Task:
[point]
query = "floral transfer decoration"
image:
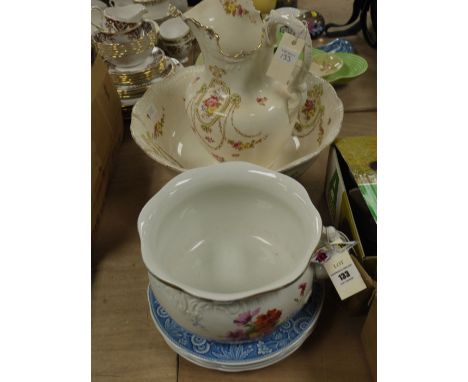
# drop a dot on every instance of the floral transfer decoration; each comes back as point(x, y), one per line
point(211, 104)
point(231, 7)
point(302, 287)
point(321, 256)
point(216, 71)
point(211, 109)
point(251, 324)
point(281, 339)
point(241, 146)
point(311, 114)
point(308, 109)
point(262, 100)
point(158, 127)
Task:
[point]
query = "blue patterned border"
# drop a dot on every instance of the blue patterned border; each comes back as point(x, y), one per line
point(282, 338)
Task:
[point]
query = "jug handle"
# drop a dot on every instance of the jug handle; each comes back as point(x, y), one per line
point(329, 235)
point(155, 27)
point(298, 85)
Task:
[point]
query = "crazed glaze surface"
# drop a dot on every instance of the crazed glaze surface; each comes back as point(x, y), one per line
point(164, 133)
point(235, 110)
point(228, 247)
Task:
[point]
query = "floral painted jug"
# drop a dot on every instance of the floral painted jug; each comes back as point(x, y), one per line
point(236, 110)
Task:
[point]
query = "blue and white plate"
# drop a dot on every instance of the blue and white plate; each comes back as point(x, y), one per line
point(283, 341)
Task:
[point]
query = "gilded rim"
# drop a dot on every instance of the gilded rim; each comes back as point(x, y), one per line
point(174, 12)
point(160, 69)
point(140, 89)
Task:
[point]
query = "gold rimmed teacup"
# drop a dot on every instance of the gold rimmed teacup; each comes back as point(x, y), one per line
point(177, 40)
point(119, 19)
point(125, 54)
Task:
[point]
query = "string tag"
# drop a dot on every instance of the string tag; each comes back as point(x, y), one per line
point(285, 58)
point(340, 267)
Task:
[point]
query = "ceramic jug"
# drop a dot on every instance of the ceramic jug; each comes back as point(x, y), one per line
point(235, 109)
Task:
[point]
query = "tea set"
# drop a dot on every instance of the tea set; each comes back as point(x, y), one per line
point(228, 243)
point(125, 37)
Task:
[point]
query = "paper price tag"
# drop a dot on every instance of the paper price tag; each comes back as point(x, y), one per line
point(284, 60)
point(344, 274)
point(286, 55)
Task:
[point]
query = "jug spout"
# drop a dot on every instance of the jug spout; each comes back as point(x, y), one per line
point(231, 29)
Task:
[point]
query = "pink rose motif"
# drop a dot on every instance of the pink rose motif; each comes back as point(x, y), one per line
point(212, 101)
point(321, 256)
point(246, 317)
point(309, 104)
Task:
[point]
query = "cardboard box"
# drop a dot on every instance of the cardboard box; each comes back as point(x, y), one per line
point(106, 134)
point(351, 195)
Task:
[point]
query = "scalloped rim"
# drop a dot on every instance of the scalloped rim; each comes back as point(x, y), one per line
point(161, 86)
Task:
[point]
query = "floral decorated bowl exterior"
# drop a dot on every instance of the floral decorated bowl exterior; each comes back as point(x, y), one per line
point(165, 134)
point(241, 320)
point(228, 249)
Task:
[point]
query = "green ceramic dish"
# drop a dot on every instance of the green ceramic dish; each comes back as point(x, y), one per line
point(353, 66)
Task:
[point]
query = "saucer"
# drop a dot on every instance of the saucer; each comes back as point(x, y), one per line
point(353, 67)
point(235, 357)
point(162, 129)
point(325, 64)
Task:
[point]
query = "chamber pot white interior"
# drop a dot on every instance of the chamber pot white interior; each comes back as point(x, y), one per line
point(229, 238)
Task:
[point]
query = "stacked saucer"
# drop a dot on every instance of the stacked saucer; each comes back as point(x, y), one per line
point(132, 82)
point(235, 357)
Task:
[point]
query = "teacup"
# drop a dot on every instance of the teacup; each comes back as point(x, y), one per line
point(228, 249)
point(120, 19)
point(129, 48)
point(176, 40)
